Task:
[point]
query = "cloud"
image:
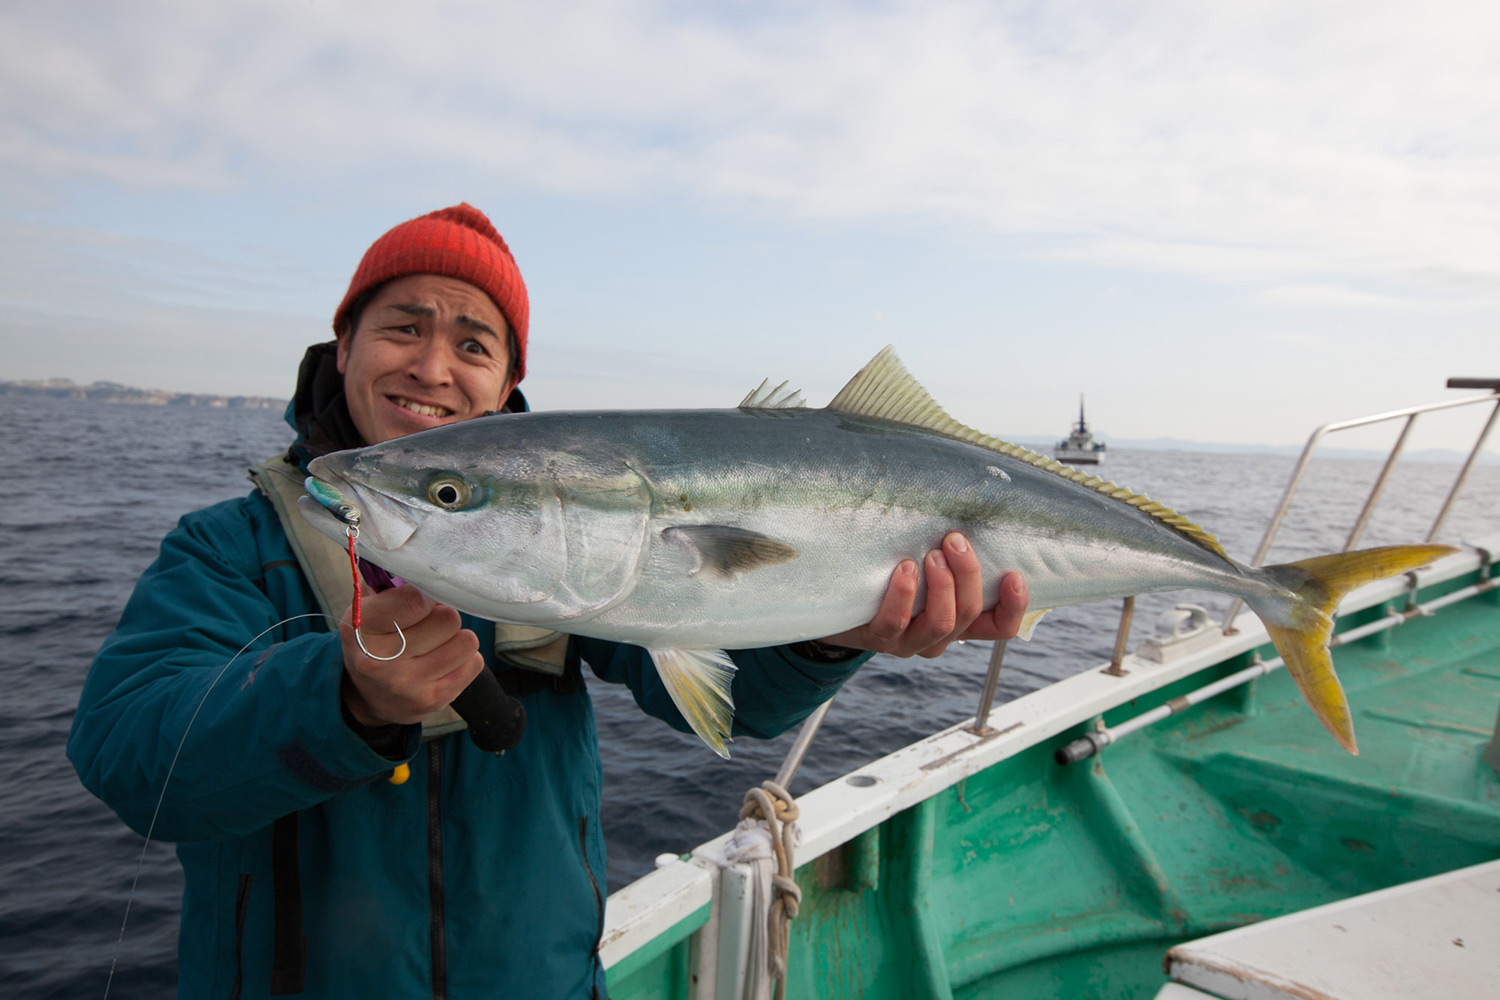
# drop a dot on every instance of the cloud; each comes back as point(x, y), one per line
point(1268, 142)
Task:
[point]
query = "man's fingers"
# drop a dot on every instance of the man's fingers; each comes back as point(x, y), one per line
point(1004, 621)
point(377, 632)
point(404, 606)
point(1012, 606)
point(895, 607)
point(938, 618)
point(444, 688)
point(968, 579)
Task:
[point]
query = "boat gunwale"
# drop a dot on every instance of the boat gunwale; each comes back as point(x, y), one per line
point(840, 810)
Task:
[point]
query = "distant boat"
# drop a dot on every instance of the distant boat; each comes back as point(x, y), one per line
point(1079, 447)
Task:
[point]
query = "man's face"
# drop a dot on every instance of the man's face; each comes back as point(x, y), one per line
point(429, 350)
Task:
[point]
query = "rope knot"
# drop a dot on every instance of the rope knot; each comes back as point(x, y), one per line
point(774, 806)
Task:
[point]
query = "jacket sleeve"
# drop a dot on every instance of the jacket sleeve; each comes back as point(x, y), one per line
point(774, 688)
point(206, 713)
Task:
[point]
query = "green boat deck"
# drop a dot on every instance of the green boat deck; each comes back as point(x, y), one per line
point(1031, 879)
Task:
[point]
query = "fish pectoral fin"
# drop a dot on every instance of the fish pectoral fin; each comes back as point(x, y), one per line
point(724, 552)
point(1028, 623)
point(698, 681)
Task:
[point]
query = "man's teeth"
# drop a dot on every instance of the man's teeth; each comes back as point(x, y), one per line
point(422, 408)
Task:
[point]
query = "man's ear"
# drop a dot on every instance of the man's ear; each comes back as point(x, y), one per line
point(343, 340)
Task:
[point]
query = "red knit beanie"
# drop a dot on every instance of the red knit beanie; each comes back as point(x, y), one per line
point(456, 242)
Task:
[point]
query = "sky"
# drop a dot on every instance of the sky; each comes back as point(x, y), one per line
point(1222, 222)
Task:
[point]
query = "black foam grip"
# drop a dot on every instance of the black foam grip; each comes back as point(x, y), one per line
point(496, 720)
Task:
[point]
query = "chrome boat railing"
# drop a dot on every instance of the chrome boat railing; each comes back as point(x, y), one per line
point(1411, 413)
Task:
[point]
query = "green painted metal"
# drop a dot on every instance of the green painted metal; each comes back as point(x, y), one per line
point(1050, 881)
point(1035, 880)
point(662, 969)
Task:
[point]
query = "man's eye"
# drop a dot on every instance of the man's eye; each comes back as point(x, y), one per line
point(473, 347)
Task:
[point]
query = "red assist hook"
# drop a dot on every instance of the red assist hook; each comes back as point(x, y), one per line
point(353, 532)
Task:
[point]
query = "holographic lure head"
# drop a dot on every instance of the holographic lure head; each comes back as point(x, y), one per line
point(332, 500)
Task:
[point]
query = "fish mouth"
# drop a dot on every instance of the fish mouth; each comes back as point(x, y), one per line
point(334, 505)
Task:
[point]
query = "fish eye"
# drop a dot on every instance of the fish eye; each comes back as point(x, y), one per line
point(449, 492)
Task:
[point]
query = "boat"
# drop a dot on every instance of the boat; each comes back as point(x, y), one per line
point(1124, 832)
point(1079, 447)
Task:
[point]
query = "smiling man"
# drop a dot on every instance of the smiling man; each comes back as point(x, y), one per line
point(433, 350)
point(312, 866)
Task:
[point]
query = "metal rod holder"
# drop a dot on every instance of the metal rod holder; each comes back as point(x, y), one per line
point(1121, 637)
point(804, 740)
point(991, 683)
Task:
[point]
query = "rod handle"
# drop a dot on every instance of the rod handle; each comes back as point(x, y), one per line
point(496, 720)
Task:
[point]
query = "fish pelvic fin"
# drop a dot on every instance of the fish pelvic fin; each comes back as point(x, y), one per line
point(885, 390)
point(698, 681)
point(1301, 637)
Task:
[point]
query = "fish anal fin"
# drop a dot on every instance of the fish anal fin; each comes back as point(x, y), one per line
point(699, 682)
point(1028, 623)
point(725, 552)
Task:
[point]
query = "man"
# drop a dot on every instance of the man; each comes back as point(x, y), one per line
point(307, 871)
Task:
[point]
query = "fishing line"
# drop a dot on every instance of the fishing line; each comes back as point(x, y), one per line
point(151, 828)
point(352, 531)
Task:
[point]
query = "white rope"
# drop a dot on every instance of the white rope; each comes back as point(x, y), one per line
point(765, 840)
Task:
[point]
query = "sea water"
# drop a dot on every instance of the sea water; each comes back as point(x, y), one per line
point(90, 488)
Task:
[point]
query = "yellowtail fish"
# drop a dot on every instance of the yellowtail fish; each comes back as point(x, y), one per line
point(690, 532)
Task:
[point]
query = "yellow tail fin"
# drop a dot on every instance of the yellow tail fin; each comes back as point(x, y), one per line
point(1320, 583)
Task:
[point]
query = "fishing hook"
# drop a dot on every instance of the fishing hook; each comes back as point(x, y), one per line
point(383, 659)
point(352, 531)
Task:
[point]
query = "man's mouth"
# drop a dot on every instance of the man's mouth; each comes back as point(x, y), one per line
point(424, 409)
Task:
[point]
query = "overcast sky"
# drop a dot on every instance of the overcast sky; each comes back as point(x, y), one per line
point(1226, 221)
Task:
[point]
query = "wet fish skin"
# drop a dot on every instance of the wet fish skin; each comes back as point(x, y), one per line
point(689, 532)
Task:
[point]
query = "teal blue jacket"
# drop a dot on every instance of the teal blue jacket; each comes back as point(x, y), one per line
point(479, 877)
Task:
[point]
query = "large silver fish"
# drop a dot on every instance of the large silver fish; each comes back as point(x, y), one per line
point(693, 531)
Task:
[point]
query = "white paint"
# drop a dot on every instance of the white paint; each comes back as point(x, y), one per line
point(1435, 937)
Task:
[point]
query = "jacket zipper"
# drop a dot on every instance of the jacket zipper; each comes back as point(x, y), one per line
point(241, 908)
point(437, 934)
point(583, 848)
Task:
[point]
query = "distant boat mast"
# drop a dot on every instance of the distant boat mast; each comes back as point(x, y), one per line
point(1080, 448)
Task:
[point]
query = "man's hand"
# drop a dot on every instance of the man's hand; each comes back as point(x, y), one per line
point(955, 606)
point(440, 659)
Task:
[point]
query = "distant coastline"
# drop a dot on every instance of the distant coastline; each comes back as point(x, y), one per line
point(114, 392)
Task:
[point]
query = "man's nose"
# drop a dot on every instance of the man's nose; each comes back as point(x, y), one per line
point(430, 364)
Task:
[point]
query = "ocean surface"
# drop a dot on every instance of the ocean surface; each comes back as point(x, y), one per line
point(90, 488)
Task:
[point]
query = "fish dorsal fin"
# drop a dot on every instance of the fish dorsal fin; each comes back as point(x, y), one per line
point(885, 390)
point(768, 397)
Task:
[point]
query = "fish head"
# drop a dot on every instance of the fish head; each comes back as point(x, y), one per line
point(483, 523)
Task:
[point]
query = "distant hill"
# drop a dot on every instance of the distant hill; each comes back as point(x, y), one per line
point(114, 392)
